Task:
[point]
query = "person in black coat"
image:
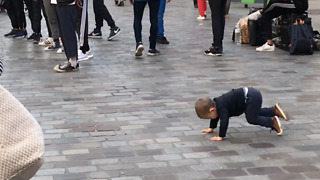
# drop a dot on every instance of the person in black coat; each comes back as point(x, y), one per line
point(234, 103)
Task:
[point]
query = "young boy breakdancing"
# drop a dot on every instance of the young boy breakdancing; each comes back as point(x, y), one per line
point(242, 100)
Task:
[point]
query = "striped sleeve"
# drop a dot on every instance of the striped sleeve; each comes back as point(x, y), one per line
point(1, 67)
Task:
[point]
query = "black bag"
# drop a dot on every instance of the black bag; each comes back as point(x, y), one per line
point(257, 36)
point(64, 2)
point(301, 36)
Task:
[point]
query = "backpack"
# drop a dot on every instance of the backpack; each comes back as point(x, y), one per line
point(301, 36)
point(301, 5)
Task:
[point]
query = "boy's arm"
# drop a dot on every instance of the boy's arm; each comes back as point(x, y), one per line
point(224, 123)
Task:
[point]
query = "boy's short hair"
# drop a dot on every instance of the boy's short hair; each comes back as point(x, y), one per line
point(203, 105)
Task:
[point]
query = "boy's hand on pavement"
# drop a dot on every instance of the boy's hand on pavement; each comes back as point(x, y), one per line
point(209, 130)
point(216, 138)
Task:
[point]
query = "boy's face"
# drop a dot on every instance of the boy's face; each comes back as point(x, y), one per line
point(211, 115)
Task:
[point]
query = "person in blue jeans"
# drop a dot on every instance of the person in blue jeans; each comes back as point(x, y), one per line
point(161, 39)
point(138, 9)
point(246, 100)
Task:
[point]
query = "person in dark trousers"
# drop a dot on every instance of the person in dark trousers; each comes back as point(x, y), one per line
point(276, 8)
point(217, 8)
point(66, 19)
point(15, 10)
point(37, 7)
point(138, 9)
point(101, 13)
point(235, 102)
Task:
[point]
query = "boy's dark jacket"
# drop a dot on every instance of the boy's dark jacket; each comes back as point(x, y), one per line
point(228, 105)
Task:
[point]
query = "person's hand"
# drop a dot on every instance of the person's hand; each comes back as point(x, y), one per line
point(168, 1)
point(209, 130)
point(216, 138)
point(131, 1)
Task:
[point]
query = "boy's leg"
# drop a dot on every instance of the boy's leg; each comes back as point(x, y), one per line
point(254, 114)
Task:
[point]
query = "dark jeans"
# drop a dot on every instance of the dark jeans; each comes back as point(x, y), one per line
point(254, 113)
point(37, 17)
point(85, 47)
point(218, 21)
point(15, 9)
point(267, 16)
point(66, 19)
point(101, 13)
point(138, 9)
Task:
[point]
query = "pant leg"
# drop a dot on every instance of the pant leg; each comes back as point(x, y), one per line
point(162, 8)
point(52, 18)
point(202, 6)
point(138, 9)
point(218, 21)
point(46, 17)
point(228, 3)
point(12, 13)
point(101, 12)
point(36, 4)
point(253, 112)
point(153, 10)
point(66, 18)
point(21, 18)
point(85, 47)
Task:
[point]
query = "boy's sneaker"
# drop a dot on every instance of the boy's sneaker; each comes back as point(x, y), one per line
point(139, 49)
point(162, 40)
point(212, 51)
point(279, 112)
point(265, 47)
point(153, 52)
point(254, 16)
point(66, 67)
point(21, 34)
point(95, 34)
point(277, 125)
point(89, 54)
point(11, 33)
point(46, 42)
point(114, 32)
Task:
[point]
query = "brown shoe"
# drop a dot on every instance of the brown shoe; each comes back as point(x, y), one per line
point(277, 125)
point(279, 112)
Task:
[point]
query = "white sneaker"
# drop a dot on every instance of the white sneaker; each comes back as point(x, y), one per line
point(201, 17)
point(89, 54)
point(254, 16)
point(60, 51)
point(265, 47)
point(82, 56)
point(46, 42)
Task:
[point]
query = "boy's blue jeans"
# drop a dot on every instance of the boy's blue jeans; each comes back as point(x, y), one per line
point(254, 113)
point(162, 8)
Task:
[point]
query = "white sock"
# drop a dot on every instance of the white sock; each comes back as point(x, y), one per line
point(73, 61)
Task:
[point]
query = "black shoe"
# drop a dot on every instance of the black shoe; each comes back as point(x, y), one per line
point(32, 36)
point(37, 38)
point(153, 52)
point(139, 49)
point(21, 34)
point(11, 33)
point(95, 34)
point(212, 51)
point(66, 67)
point(114, 32)
point(162, 40)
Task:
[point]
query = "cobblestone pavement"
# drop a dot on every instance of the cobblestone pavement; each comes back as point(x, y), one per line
point(122, 118)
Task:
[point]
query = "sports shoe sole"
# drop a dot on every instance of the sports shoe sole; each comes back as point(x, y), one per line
point(211, 54)
point(279, 123)
point(139, 50)
point(281, 112)
point(153, 54)
point(57, 69)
